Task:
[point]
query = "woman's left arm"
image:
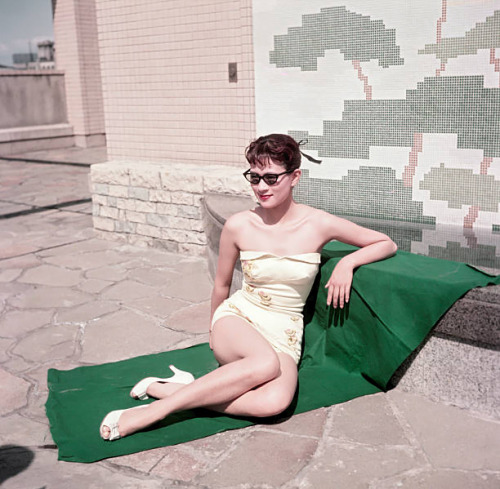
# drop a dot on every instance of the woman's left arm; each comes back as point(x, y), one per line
point(373, 246)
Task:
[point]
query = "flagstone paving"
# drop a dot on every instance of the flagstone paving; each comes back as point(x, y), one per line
point(66, 296)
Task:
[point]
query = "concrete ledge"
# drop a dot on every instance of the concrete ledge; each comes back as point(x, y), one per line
point(447, 369)
point(459, 361)
point(90, 140)
point(32, 138)
point(216, 208)
point(30, 73)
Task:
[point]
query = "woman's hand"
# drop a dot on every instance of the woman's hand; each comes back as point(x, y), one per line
point(339, 284)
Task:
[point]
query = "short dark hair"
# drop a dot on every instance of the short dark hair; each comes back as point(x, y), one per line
point(280, 148)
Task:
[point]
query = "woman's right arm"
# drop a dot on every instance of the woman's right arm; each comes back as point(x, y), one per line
point(228, 254)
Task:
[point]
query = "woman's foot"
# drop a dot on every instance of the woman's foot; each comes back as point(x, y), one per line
point(160, 390)
point(123, 422)
point(142, 390)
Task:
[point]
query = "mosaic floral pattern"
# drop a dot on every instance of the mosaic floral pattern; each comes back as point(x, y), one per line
point(401, 105)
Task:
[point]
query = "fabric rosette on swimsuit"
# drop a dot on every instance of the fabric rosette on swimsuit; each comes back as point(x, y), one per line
point(281, 283)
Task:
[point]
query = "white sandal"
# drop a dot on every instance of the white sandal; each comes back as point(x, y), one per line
point(111, 421)
point(179, 377)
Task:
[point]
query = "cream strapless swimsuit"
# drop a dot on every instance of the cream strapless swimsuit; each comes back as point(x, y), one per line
point(272, 297)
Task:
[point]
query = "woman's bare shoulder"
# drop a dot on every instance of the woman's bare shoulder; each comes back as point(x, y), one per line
point(326, 224)
point(239, 219)
point(317, 215)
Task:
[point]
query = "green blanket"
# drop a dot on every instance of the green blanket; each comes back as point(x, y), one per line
point(347, 353)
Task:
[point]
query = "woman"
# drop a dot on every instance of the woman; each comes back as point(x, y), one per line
point(256, 334)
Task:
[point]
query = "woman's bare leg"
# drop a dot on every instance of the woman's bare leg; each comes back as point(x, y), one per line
point(160, 390)
point(264, 400)
point(268, 399)
point(248, 361)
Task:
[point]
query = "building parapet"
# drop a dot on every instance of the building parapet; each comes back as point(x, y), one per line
point(20, 72)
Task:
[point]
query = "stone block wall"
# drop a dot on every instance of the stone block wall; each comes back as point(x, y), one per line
point(158, 204)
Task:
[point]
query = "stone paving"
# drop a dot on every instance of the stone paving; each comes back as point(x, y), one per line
point(64, 296)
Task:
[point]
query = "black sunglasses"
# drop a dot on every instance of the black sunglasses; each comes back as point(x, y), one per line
point(269, 178)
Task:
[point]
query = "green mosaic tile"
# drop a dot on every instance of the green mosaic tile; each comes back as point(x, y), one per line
point(368, 192)
point(356, 36)
point(480, 255)
point(455, 104)
point(461, 187)
point(485, 35)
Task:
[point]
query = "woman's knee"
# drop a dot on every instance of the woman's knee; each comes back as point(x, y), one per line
point(274, 402)
point(264, 368)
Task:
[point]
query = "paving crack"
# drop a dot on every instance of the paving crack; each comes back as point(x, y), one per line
point(34, 209)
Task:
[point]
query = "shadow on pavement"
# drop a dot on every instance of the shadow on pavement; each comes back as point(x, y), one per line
point(13, 460)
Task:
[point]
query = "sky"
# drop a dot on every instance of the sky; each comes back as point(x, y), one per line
point(22, 21)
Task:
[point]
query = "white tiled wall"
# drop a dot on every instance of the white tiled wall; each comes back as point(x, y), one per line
point(165, 79)
point(77, 54)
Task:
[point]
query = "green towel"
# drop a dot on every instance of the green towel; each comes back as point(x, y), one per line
point(347, 353)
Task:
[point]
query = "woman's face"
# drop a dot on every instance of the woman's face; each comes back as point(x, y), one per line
point(272, 195)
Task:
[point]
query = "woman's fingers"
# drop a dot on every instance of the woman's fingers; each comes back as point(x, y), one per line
point(329, 295)
point(338, 295)
point(339, 285)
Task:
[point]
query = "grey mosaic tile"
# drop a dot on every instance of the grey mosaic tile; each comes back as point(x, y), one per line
point(368, 192)
point(453, 104)
point(461, 187)
point(479, 255)
point(417, 114)
point(355, 35)
point(485, 35)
